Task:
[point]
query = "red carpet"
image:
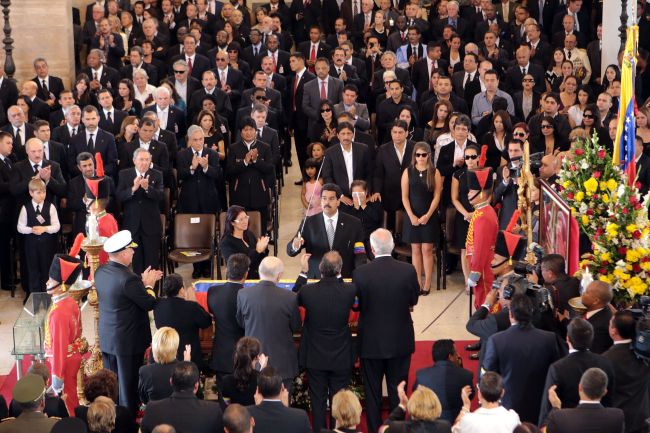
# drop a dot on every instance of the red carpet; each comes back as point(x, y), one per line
point(421, 359)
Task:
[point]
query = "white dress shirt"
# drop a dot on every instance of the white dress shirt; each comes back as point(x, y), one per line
point(347, 158)
point(24, 229)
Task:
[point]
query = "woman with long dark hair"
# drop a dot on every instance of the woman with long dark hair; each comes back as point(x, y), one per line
point(238, 239)
point(554, 71)
point(414, 132)
point(421, 191)
point(240, 386)
point(126, 98)
point(439, 123)
point(324, 130)
point(81, 91)
point(497, 139)
point(550, 142)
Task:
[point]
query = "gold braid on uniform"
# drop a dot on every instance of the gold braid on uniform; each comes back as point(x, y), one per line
point(470, 231)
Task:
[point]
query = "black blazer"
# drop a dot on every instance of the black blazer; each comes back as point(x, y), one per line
point(7, 199)
point(124, 419)
point(157, 149)
point(387, 289)
point(322, 51)
point(175, 119)
point(630, 391)
point(593, 418)
point(198, 190)
point(62, 135)
point(446, 379)
point(388, 174)
point(110, 78)
point(472, 88)
point(518, 98)
point(123, 319)
point(274, 96)
point(230, 245)
point(566, 374)
point(8, 93)
point(75, 193)
point(152, 72)
point(186, 317)
point(200, 64)
point(39, 109)
point(104, 143)
point(57, 153)
point(19, 150)
point(154, 381)
point(447, 169)
point(543, 53)
point(115, 52)
point(274, 417)
point(112, 127)
point(54, 86)
point(547, 13)
point(420, 74)
point(249, 183)
point(396, 424)
point(295, 97)
point(600, 322)
point(326, 339)
point(519, 354)
point(514, 77)
point(643, 173)
point(235, 79)
point(334, 167)
point(142, 209)
point(185, 412)
point(223, 105)
point(349, 232)
point(23, 172)
point(463, 28)
point(222, 303)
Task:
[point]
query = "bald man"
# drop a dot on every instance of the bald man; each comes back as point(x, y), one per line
point(270, 314)
point(597, 297)
point(549, 168)
point(39, 108)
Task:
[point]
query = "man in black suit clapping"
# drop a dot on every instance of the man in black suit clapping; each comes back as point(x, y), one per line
point(330, 230)
point(387, 289)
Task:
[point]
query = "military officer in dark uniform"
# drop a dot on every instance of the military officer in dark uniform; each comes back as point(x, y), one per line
point(29, 393)
point(124, 329)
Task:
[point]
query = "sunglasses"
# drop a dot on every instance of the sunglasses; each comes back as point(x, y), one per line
point(222, 60)
point(325, 110)
point(587, 116)
point(548, 126)
point(421, 155)
point(179, 72)
point(261, 98)
point(468, 157)
point(519, 134)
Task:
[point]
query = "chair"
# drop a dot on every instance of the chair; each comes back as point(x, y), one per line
point(254, 225)
point(196, 233)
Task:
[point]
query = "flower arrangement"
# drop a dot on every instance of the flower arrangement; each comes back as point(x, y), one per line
point(610, 212)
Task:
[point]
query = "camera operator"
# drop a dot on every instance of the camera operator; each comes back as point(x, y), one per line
point(562, 286)
point(596, 299)
point(505, 189)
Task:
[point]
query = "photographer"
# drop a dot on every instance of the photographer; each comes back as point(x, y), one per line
point(563, 288)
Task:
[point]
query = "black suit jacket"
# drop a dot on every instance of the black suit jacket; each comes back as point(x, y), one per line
point(104, 143)
point(387, 289)
point(57, 118)
point(200, 64)
point(322, 51)
point(274, 417)
point(175, 120)
point(154, 381)
point(123, 320)
point(114, 126)
point(62, 134)
point(643, 173)
point(388, 174)
point(518, 100)
point(18, 149)
point(447, 380)
point(547, 13)
point(326, 339)
point(470, 90)
point(185, 412)
point(514, 77)
point(249, 184)
point(593, 418)
point(294, 100)
point(115, 52)
point(558, 39)
point(75, 193)
point(124, 419)
point(600, 322)
point(311, 14)
point(141, 209)
point(22, 173)
point(447, 169)
point(198, 192)
point(334, 167)
point(7, 199)
point(519, 354)
point(8, 93)
point(110, 78)
point(420, 74)
point(274, 95)
point(54, 86)
point(583, 22)
point(58, 153)
point(235, 79)
point(348, 233)
point(222, 303)
point(566, 374)
point(152, 72)
point(463, 28)
point(543, 53)
point(223, 105)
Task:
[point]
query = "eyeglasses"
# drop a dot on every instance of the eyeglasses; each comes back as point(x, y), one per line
point(528, 80)
point(325, 110)
point(421, 155)
point(468, 157)
point(179, 72)
point(587, 116)
point(548, 126)
point(519, 134)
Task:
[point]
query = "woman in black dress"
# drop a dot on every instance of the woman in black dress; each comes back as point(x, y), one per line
point(240, 386)
point(424, 409)
point(346, 411)
point(414, 132)
point(126, 98)
point(238, 239)
point(464, 209)
point(497, 139)
point(153, 378)
point(421, 190)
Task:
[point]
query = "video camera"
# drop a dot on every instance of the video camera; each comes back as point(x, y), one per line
point(641, 343)
point(523, 268)
point(517, 283)
point(535, 164)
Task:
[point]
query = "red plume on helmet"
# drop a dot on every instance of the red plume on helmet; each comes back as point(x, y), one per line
point(513, 220)
point(76, 246)
point(99, 162)
point(483, 158)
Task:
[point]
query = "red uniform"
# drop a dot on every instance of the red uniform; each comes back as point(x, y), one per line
point(481, 237)
point(62, 345)
point(107, 227)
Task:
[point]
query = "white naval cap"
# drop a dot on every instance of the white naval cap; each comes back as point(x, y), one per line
point(119, 241)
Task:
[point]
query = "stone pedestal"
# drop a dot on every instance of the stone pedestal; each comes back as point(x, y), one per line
point(42, 28)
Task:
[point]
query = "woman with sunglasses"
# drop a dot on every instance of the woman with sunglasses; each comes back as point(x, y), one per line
point(526, 100)
point(591, 122)
point(439, 124)
point(325, 129)
point(237, 238)
point(520, 131)
point(421, 191)
point(574, 113)
point(236, 62)
point(460, 200)
point(497, 139)
point(549, 141)
point(413, 133)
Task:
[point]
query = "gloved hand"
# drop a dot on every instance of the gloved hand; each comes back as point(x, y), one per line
point(471, 283)
point(57, 384)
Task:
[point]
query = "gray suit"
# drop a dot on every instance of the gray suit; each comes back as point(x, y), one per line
point(270, 314)
point(363, 119)
point(311, 96)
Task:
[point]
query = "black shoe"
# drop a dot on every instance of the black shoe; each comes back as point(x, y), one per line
point(196, 274)
point(298, 183)
point(474, 357)
point(425, 292)
point(288, 163)
point(473, 347)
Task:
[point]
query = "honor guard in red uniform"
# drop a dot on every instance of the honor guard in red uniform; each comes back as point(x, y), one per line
point(63, 341)
point(98, 192)
point(482, 232)
point(509, 247)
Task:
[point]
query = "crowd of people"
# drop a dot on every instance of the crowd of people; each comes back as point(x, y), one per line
point(408, 122)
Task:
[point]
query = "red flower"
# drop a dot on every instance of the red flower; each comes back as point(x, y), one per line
point(633, 199)
point(590, 212)
point(603, 271)
point(573, 167)
point(597, 175)
point(636, 234)
point(605, 263)
point(599, 231)
point(622, 251)
point(624, 211)
point(636, 267)
point(601, 153)
point(637, 185)
point(595, 196)
point(637, 206)
point(570, 195)
point(579, 152)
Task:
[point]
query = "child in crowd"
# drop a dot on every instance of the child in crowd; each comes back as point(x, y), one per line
point(311, 187)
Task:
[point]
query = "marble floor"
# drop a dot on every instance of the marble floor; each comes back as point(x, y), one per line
point(442, 314)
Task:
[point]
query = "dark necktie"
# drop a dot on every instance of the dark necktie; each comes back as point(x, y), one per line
point(568, 55)
point(7, 162)
point(18, 139)
point(35, 169)
point(109, 117)
point(38, 209)
point(91, 144)
point(74, 132)
point(259, 134)
point(523, 71)
point(45, 89)
point(255, 51)
point(467, 80)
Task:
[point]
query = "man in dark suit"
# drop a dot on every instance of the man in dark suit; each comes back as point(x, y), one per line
point(545, 15)
point(388, 110)
point(39, 108)
point(222, 303)
point(590, 415)
point(255, 51)
point(443, 92)
point(268, 135)
point(8, 90)
point(330, 230)
point(93, 139)
point(422, 69)
point(594, 54)
point(110, 118)
point(344, 159)
point(466, 83)
point(491, 18)
point(304, 16)
point(563, 286)
point(279, 57)
point(157, 150)
point(53, 150)
point(357, 110)
point(124, 327)
point(72, 126)
point(564, 373)
point(581, 18)
point(323, 87)
point(343, 71)
point(171, 118)
point(65, 101)
point(540, 50)
point(270, 314)
point(197, 63)
point(273, 414)
point(7, 212)
point(140, 191)
point(222, 102)
point(505, 191)
point(49, 87)
point(461, 27)
point(523, 66)
point(630, 391)
point(596, 299)
point(183, 410)
point(326, 347)
point(101, 75)
point(568, 25)
point(519, 354)
point(446, 378)
point(314, 49)
point(451, 156)
point(229, 80)
point(387, 290)
point(260, 80)
point(109, 42)
point(298, 118)
point(136, 61)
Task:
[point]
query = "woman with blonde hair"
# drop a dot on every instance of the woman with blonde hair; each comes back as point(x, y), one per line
point(101, 415)
point(424, 411)
point(346, 411)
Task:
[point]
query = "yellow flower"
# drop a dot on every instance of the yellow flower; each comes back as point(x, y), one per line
point(585, 220)
point(591, 185)
point(632, 256)
point(612, 229)
point(630, 228)
point(566, 184)
point(579, 196)
point(612, 185)
point(605, 279)
point(606, 257)
point(645, 266)
point(605, 198)
point(603, 186)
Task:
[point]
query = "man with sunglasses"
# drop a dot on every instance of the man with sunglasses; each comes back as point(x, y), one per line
point(258, 96)
point(550, 105)
point(183, 83)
